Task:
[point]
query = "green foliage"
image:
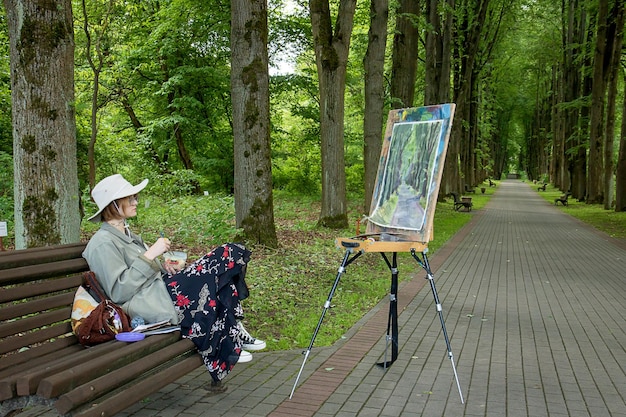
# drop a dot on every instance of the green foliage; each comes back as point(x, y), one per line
point(6, 137)
point(6, 192)
point(6, 175)
point(177, 184)
point(296, 159)
point(295, 176)
point(193, 223)
point(164, 89)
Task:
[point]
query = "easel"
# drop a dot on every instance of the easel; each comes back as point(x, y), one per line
point(384, 243)
point(404, 199)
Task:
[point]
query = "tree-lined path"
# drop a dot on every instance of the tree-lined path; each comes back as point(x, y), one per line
point(535, 306)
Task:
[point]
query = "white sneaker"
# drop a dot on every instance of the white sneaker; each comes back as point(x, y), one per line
point(244, 356)
point(249, 342)
point(257, 344)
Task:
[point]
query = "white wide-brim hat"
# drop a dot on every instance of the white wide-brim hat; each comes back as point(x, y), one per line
point(110, 189)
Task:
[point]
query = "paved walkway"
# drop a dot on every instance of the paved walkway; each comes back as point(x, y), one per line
point(535, 307)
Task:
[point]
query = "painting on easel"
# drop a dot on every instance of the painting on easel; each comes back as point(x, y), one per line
point(409, 172)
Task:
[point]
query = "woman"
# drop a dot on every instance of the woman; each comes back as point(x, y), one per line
point(204, 297)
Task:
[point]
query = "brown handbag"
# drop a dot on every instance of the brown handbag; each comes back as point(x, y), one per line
point(101, 323)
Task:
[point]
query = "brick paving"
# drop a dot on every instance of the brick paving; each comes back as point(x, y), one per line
point(534, 304)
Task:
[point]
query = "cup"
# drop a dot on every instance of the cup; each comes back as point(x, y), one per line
point(175, 259)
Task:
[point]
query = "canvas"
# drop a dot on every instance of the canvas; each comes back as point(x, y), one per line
point(409, 172)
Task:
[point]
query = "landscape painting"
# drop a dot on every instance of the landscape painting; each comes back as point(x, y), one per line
point(409, 172)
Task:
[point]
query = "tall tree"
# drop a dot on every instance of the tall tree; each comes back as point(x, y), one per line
point(615, 32)
point(254, 209)
point(575, 29)
point(595, 189)
point(620, 173)
point(44, 129)
point(489, 35)
point(95, 54)
point(439, 16)
point(331, 58)
point(374, 64)
point(405, 54)
point(469, 28)
point(566, 160)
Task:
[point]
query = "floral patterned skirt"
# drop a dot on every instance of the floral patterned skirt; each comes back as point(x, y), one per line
point(207, 296)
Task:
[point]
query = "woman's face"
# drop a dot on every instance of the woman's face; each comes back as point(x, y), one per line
point(128, 206)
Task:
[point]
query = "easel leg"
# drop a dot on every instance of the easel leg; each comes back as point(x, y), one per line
point(346, 261)
point(429, 275)
point(392, 321)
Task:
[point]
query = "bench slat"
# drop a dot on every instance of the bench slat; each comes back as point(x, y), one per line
point(29, 355)
point(34, 322)
point(36, 306)
point(40, 255)
point(81, 372)
point(129, 395)
point(8, 377)
point(28, 381)
point(39, 336)
point(19, 292)
point(35, 272)
point(99, 386)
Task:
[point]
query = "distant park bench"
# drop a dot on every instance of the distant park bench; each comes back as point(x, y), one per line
point(562, 199)
point(469, 189)
point(462, 202)
point(41, 361)
point(491, 183)
point(542, 188)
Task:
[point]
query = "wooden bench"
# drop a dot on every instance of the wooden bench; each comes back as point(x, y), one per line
point(562, 199)
point(462, 202)
point(41, 361)
point(542, 188)
point(491, 183)
point(469, 189)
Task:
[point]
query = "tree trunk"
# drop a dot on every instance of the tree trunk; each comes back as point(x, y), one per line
point(176, 132)
point(44, 129)
point(96, 66)
point(331, 58)
point(559, 158)
point(574, 40)
point(620, 174)
point(579, 180)
point(595, 189)
point(404, 54)
point(438, 56)
point(254, 208)
point(469, 29)
point(374, 64)
point(615, 36)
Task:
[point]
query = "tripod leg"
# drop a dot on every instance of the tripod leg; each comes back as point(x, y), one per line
point(346, 261)
point(392, 321)
point(431, 279)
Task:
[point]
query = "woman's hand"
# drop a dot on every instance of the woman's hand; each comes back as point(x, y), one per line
point(171, 269)
point(159, 247)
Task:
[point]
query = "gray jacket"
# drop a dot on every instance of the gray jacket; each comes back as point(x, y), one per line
point(129, 278)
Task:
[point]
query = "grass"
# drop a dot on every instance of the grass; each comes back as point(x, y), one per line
point(289, 285)
point(611, 222)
